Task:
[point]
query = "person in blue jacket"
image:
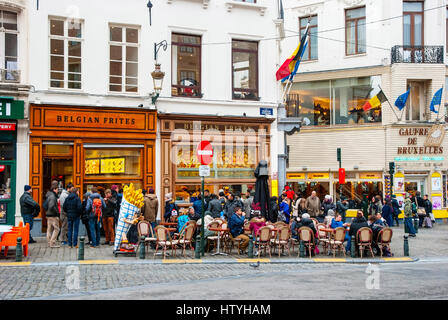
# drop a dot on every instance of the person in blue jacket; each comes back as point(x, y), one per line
point(236, 226)
point(388, 212)
point(286, 208)
point(336, 223)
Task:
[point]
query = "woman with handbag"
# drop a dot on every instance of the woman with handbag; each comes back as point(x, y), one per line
point(421, 212)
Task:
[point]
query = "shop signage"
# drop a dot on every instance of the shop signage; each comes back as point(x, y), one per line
point(266, 111)
point(204, 171)
point(432, 143)
point(94, 119)
point(295, 176)
point(11, 109)
point(370, 175)
point(419, 158)
point(4, 126)
point(3, 210)
point(317, 176)
point(205, 152)
point(211, 126)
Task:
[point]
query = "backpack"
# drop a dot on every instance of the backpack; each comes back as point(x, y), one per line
point(96, 207)
point(45, 204)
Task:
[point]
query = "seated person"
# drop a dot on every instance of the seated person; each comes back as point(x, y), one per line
point(329, 218)
point(182, 220)
point(337, 223)
point(236, 226)
point(192, 215)
point(257, 223)
point(376, 224)
point(306, 221)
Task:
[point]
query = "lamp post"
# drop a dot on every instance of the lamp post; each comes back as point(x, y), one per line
point(149, 5)
point(157, 75)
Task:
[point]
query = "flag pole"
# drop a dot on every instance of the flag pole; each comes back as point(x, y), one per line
point(438, 110)
point(387, 99)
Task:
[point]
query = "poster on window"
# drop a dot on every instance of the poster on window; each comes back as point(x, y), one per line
point(3, 210)
point(400, 200)
point(399, 185)
point(437, 203)
point(436, 184)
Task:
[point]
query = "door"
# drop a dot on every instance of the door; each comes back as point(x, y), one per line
point(7, 192)
point(413, 185)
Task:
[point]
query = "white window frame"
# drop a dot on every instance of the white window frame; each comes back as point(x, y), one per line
point(124, 61)
point(66, 39)
point(3, 33)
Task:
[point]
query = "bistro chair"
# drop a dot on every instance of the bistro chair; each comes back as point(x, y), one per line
point(322, 236)
point(338, 240)
point(279, 224)
point(282, 241)
point(384, 239)
point(263, 240)
point(144, 229)
point(307, 236)
point(162, 240)
point(316, 222)
point(364, 240)
point(214, 239)
point(186, 239)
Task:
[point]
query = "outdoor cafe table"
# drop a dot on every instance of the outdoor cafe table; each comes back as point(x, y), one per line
point(219, 230)
point(168, 223)
point(4, 228)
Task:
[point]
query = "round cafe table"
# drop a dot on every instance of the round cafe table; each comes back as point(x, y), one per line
point(219, 230)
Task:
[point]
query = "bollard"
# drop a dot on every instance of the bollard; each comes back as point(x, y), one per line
point(416, 223)
point(406, 246)
point(302, 249)
point(19, 250)
point(197, 249)
point(250, 251)
point(81, 249)
point(353, 248)
point(142, 248)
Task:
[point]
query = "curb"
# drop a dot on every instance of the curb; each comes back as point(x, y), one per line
point(200, 261)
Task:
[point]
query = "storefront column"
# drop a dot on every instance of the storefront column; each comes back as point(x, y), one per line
point(149, 159)
point(36, 170)
point(78, 165)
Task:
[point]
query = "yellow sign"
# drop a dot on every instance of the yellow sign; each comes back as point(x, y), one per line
point(370, 175)
point(274, 188)
point(93, 166)
point(295, 176)
point(318, 176)
point(114, 165)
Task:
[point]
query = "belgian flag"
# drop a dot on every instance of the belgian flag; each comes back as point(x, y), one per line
point(376, 101)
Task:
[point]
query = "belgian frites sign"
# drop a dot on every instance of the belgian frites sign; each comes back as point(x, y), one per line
point(93, 119)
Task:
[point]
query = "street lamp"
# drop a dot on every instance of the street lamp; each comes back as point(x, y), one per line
point(157, 75)
point(149, 5)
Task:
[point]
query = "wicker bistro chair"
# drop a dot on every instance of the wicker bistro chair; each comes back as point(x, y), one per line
point(338, 240)
point(307, 236)
point(186, 239)
point(263, 240)
point(364, 240)
point(384, 239)
point(144, 229)
point(322, 237)
point(280, 224)
point(162, 241)
point(283, 239)
point(213, 239)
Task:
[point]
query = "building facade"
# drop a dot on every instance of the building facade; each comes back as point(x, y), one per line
point(358, 48)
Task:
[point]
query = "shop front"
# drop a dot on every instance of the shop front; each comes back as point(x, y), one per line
point(91, 147)
point(238, 144)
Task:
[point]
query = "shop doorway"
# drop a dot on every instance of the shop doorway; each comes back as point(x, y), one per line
point(415, 184)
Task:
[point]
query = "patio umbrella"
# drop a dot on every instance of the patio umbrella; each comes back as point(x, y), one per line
point(262, 188)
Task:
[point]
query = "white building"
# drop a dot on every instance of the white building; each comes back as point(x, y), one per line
point(90, 119)
point(357, 48)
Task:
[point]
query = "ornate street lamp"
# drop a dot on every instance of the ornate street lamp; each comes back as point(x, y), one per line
point(157, 75)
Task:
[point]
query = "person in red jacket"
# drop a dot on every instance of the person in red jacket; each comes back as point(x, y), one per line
point(289, 193)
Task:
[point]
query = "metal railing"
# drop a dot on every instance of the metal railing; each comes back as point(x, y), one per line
point(417, 54)
point(9, 75)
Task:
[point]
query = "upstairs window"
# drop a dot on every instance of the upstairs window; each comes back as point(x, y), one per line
point(65, 54)
point(123, 59)
point(8, 42)
point(186, 65)
point(412, 24)
point(245, 69)
point(355, 31)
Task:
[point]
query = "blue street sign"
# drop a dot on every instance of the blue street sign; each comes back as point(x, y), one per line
point(266, 111)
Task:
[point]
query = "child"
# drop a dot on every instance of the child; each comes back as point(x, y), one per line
point(182, 220)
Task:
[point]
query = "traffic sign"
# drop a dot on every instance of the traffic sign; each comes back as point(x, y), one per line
point(205, 152)
point(204, 171)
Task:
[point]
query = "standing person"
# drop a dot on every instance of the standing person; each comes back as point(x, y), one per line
point(206, 197)
point(289, 192)
point(94, 208)
point(169, 206)
point(379, 203)
point(388, 212)
point(397, 209)
point(285, 207)
point(248, 202)
point(197, 204)
point(295, 206)
point(222, 198)
point(327, 205)
point(109, 216)
point(214, 206)
point(420, 203)
point(63, 216)
point(150, 207)
point(52, 215)
point(409, 227)
point(313, 205)
point(428, 208)
point(373, 208)
point(274, 209)
point(230, 205)
point(342, 207)
point(29, 209)
point(73, 208)
point(85, 216)
point(236, 224)
point(301, 207)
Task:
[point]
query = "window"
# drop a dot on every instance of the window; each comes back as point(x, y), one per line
point(311, 49)
point(8, 42)
point(123, 63)
point(355, 31)
point(186, 65)
point(413, 31)
point(65, 54)
point(335, 102)
point(245, 69)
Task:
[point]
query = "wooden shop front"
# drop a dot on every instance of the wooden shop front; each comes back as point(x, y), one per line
point(239, 143)
point(91, 146)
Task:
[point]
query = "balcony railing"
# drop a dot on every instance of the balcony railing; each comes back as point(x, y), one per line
point(418, 54)
point(7, 75)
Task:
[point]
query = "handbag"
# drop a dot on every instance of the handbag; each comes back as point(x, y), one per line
point(420, 211)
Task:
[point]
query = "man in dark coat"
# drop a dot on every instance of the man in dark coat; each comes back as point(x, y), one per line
point(214, 206)
point(29, 209)
point(262, 188)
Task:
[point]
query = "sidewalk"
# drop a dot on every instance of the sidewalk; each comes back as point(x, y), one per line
point(428, 243)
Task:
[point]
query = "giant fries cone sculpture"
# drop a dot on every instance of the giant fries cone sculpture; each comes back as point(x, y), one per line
point(131, 204)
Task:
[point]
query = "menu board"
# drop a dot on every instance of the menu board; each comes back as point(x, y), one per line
point(3, 210)
point(114, 165)
point(93, 166)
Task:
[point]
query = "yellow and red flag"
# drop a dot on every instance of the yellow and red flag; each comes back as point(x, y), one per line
point(376, 101)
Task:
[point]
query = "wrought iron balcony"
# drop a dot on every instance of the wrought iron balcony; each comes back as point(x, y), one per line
point(12, 76)
point(418, 54)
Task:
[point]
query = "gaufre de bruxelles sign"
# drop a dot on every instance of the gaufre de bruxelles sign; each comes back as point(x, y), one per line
point(413, 148)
